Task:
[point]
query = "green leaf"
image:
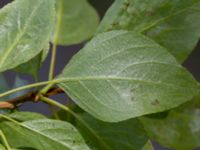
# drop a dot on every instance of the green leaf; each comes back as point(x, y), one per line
point(127, 135)
point(121, 75)
point(173, 24)
point(179, 129)
point(33, 66)
point(18, 83)
point(3, 84)
point(43, 134)
point(3, 88)
point(26, 116)
point(25, 28)
point(2, 147)
point(76, 21)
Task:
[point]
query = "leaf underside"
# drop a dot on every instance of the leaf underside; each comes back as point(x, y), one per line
point(121, 75)
point(43, 134)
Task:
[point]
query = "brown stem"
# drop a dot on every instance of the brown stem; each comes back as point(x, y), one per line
point(31, 96)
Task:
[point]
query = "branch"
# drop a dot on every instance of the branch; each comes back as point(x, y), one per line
point(31, 96)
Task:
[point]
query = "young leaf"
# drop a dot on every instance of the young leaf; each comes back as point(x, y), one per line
point(76, 21)
point(179, 129)
point(173, 24)
point(25, 28)
point(121, 75)
point(127, 135)
point(43, 134)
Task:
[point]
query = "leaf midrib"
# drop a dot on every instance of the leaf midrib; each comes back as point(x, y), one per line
point(40, 133)
point(19, 36)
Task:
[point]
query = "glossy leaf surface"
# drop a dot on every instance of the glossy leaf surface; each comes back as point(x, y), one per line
point(121, 75)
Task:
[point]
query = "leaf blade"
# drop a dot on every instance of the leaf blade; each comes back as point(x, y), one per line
point(109, 76)
point(179, 129)
point(76, 21)
point(128, 135)
point(170, 23)
point(50, 132)
point(21, 29)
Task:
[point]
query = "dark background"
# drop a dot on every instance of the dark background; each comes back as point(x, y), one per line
point(64, 53)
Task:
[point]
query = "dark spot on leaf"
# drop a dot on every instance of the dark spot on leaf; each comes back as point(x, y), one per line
point(126, 3)
point(132, 98)
point(155, 102)
point(197, 106)
point(150, 13)
point(115, 24)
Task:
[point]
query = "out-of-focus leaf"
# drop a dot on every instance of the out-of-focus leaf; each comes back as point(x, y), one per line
point(172, 23)
point(127, 135)
point(121, 75)
point(2, 147)
point(76, 21)
point(25, 28)
point(179, 129)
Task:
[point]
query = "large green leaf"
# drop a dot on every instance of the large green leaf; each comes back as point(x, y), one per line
point(179, 129)
point(127, 135)
point(76, 21)
point(43, 134)
point(172, 23)
point(121, 75)
point(25, 28)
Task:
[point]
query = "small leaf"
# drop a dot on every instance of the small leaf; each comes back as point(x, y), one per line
point(127, 135)
point(179, 129)
point(173, 24)
point(121, 75)
point(43, 134)
point(33, 66)
point(25, 28)
point(76, 21)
